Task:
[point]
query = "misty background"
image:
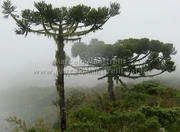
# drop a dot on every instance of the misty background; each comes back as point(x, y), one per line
point(22, 56)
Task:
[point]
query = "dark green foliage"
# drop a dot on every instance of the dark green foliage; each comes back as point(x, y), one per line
point(154, 89)
point(136, 110)
point(69, 19)
point(131, 58)
point(148, 88)
point(84, 127)
point(85, 114)
point(8, 8)
point(152, 125)
point(125, 121)
point(175, 127)
point(165, 116)
point(140, 108)
point(32, 130)
point(133, 100)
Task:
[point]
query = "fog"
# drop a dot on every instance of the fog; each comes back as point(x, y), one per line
point(22, 56)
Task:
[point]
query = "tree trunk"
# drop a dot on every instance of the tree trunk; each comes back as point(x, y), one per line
point(60, 62)
point(110, 88)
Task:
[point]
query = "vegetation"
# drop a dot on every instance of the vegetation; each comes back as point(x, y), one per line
point(61, 24)
point(147, 106)
point(144, 107)
point(129, 58)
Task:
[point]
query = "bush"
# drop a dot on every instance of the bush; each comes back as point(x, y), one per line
point(146, 107)
point(85, 114)
point(165, 116)
point(134, 100)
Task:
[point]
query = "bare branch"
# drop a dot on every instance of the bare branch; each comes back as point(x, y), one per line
point(144, 56)
point(83, 73)
point(122, 83)
point(135, 77)
point(72, 39)
point(102, 77)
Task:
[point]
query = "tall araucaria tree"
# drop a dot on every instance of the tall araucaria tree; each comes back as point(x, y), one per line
point(61, 24)
point(129, 58)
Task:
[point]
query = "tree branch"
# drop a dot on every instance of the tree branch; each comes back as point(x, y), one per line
point(80, 33)
point(144, 56)
point(53, 28)
point(135, 77)
point(83, 73)
point(72, 39)
point(71, 30)
point(47, 31)
point(102, 77)
point(122, 83)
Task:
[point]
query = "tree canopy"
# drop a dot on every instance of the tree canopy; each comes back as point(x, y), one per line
point(131, 58)
point(70, 21)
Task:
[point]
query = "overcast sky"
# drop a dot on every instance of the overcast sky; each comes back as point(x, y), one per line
point(154, 19)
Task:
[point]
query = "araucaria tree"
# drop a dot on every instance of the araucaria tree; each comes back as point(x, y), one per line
point(61, 24)
point(129, 58)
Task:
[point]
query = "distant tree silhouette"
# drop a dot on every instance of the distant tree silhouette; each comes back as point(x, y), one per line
point(129, 58)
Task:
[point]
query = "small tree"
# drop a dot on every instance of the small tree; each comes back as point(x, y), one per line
point(61, 24)
point(129, 58)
